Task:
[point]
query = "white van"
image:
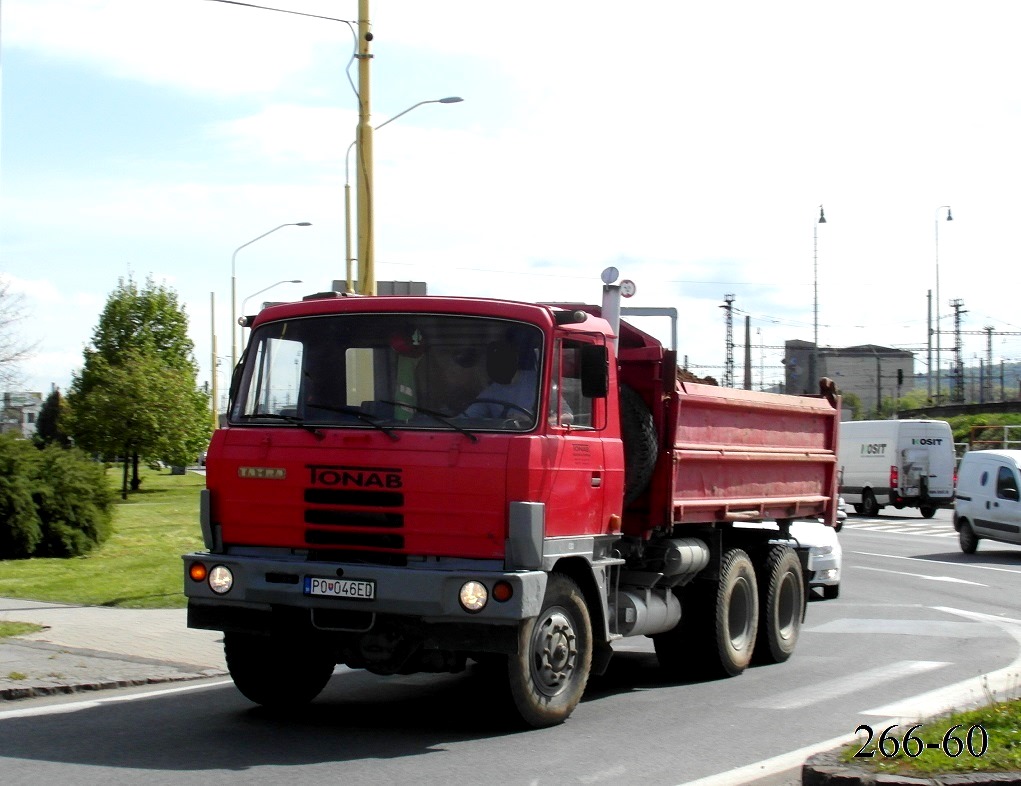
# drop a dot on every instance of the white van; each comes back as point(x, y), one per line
point(904, 463)
point(988, 499)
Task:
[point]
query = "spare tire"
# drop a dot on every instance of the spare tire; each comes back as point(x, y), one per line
point(640, 443)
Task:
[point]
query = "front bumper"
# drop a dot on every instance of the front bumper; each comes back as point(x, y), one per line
point(426, 592)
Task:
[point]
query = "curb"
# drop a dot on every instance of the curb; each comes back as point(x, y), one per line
point(36, 691)
point(826, 769)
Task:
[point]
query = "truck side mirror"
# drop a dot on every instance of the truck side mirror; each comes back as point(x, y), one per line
point(595, 371)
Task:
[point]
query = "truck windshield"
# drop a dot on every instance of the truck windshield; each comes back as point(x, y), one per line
point(392, 371)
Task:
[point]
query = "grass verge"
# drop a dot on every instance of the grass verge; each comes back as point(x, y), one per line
point(9, 629)
point(985, 739)
point(138, 567)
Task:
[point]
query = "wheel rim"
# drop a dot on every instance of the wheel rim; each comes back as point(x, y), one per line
point(788, 607)
point(554, 652)
point(739, 615)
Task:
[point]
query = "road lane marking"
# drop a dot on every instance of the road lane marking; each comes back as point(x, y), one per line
point(935, 562)
point(947, 629)
point(949, 579)
point(984, 689)
point(844, 686)
point(88, 704)
point(1002, 684)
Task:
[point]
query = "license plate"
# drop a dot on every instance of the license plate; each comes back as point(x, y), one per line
point(352, 589)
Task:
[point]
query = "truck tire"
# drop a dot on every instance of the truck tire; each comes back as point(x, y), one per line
point(736, 614)
point(927, 511)
point(640, 444)
point(967, 537)
point(276, 672)
point(782, 605)
point(548, 675)
point(869, 506)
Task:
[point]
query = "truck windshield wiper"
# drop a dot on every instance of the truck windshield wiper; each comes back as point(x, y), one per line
point(433, 413)
point(287, 418)
point(361, 414)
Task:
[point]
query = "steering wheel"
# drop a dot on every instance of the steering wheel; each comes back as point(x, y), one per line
point(507, 407)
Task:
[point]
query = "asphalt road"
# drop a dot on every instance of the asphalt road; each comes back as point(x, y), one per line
point(918, 627)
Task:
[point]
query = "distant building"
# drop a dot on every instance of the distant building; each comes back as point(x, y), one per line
point(871, 372)
point(20, 413)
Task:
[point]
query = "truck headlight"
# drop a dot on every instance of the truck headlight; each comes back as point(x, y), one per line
point(221, 579)
point(473, 596)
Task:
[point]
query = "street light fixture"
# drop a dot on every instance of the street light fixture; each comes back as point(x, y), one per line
point(241, 317)
point(234, 287)
point(813, 377)
point(349, 260)
point(950, 217)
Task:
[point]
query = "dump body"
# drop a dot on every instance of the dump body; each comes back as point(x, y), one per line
point(411, 483)
point(735, 455)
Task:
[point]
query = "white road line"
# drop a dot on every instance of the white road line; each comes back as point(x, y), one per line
point(937, 562)
point(88, 704)
point(843, 686)
point(948, 579)
point(1002, 684)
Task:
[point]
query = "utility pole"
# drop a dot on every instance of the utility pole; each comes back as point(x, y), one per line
point(363, 153)
point(958, 395)
point(728, 368)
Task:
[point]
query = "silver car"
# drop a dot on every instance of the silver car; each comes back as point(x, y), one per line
point(824, 555)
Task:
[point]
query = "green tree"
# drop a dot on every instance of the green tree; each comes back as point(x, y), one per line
point(851, 403)
point(49, 428)
point(136, 395)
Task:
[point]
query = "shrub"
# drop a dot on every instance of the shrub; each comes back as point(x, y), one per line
point(74, 502)
point(53, 502)
point(20, 527)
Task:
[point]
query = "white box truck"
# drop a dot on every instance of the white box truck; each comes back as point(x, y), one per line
point(904, 463)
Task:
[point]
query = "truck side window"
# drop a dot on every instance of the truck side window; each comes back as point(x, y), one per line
point(569, 404)
point(1006, 484)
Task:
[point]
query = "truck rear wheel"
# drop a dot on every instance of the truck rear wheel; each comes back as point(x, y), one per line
point(548, 675)
point(927, 511)
point(782, 600)
point(276, 672)
point(736, 613)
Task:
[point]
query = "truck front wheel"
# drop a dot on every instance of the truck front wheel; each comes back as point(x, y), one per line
point(276, 672)
point(736, 613)
point(869, 506)
point(782, 598)
point(548, 675)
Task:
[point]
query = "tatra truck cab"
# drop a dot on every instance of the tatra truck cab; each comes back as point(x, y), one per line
point(410, 484)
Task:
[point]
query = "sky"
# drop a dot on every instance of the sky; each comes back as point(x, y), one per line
point(689, 144)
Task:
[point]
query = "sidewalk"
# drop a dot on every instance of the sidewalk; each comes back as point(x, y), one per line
point(85, 648)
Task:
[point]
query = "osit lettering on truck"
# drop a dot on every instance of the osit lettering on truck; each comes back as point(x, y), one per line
point(903, 463)
point(362, 508)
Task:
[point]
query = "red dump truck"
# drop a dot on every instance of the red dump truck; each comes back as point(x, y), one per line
point(412, 484)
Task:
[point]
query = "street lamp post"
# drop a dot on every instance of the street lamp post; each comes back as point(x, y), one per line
point(950, 217)
point(234, 287)
point(264, 289)
point(349, 259)
point(813, 377)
